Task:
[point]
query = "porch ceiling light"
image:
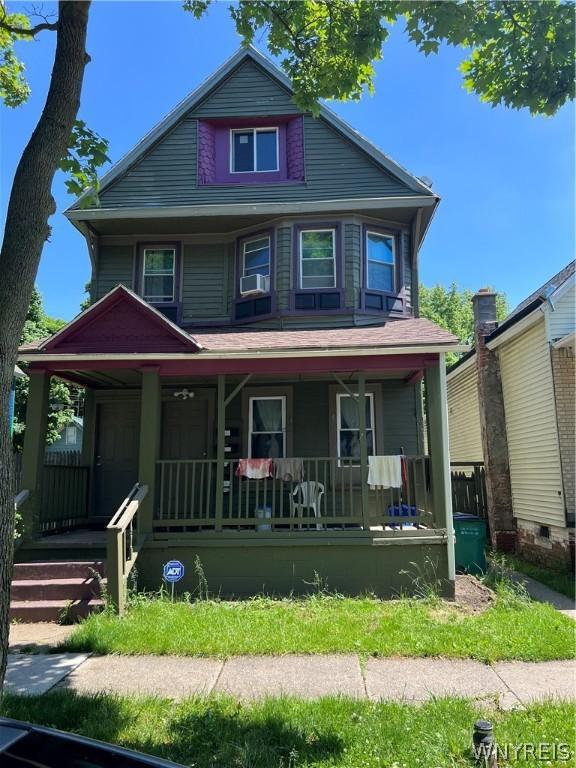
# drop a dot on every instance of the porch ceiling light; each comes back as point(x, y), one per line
point(185, 394)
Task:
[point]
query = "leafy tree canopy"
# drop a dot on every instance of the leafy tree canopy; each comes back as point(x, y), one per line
point(451, 308)
point(39, 325)
point(519, 53)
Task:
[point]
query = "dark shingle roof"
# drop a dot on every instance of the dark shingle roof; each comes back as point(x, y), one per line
point(549, 286)
point(416, 331)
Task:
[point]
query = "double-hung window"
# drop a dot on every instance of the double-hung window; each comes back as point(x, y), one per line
point(380, 257)
point(267, 427)
point(254, 150)
point(256, 257)
point(317, 258)
point(158, 278)
point(349, 425)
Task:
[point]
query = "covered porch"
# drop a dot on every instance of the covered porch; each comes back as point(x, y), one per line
point(161, 469)
point(169, 444)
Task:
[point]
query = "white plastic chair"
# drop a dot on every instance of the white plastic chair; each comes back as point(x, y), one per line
point(307, 496)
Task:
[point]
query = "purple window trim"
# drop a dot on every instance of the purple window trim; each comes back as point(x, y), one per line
point(398, 293)
point(139, 263)
point(339, 287)
point(295, 149)
point(214, 151)
point(206, 153)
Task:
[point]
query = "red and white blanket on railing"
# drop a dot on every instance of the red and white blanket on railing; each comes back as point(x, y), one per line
point(255, 469)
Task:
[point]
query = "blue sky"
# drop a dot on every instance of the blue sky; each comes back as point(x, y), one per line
point(506, 179)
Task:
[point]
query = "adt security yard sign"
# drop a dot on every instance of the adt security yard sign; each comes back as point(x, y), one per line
point(173, 571)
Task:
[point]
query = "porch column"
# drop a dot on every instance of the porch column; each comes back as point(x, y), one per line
point(363, 450)
point(437, 408)
point(150, 418)
point(34, 448)
point(220, 448)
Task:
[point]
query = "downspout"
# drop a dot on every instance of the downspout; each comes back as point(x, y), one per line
point(446, 462)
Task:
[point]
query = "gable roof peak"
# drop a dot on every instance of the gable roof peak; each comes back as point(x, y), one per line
point(242, 54)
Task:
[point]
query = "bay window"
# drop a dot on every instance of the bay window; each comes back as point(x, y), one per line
point(380, 259)
point(317, 250)
point(256, 257)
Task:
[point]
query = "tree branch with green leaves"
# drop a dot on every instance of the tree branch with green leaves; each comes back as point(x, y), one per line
point(518, 54)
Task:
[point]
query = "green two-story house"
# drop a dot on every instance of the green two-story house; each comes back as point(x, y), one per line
point(253, 356)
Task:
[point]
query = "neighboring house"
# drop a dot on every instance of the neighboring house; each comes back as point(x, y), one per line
point(533, 351)
point(70, 438)
point(254, 277)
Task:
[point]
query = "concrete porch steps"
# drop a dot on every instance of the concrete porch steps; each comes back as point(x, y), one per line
point(56, 590)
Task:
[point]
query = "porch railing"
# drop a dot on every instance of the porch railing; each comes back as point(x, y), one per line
point(123, 543)
point(187, 492)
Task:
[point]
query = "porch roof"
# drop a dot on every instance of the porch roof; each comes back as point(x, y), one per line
point(122, 324)
point(416, 335)
point(395, 333)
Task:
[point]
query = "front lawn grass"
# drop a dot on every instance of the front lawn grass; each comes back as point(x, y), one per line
point(511, 629)
point(292, 733)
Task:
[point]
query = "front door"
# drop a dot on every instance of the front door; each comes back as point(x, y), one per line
point(186, 489)
point(185, 429)
point(116, 468)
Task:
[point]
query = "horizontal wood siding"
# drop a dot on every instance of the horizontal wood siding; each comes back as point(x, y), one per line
point(531, 428)
point(464, 416)
point(562, 321)
point(352, 264)
point(283, 266)
point(206, 285)
point(166, 175)
point(311, 419)
point(248, 91)
point(401, 417)
point(115, 265)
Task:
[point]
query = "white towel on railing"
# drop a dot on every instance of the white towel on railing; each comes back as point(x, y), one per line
point(384, 471)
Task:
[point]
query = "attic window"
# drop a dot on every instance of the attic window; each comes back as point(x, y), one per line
point(254, 150)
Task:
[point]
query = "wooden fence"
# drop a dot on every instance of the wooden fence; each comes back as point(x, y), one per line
point(469, 488)
point(62, 458)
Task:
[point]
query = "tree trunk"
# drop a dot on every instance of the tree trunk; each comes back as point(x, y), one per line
point(30, 206)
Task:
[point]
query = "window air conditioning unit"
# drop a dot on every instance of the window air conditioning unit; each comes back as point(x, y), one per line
point(254, 284)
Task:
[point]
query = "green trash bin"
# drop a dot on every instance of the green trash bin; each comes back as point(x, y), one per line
point(470, 533)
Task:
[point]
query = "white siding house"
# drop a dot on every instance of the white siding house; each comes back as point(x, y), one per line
point(535, 349)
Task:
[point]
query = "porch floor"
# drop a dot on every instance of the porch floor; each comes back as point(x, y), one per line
point(79, 538)
point(79, 544)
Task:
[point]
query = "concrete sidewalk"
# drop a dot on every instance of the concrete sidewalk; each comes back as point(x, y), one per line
point(508, 685)
point(544, 594)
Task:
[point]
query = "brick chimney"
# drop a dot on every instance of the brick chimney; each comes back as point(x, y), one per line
point(493, 426)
